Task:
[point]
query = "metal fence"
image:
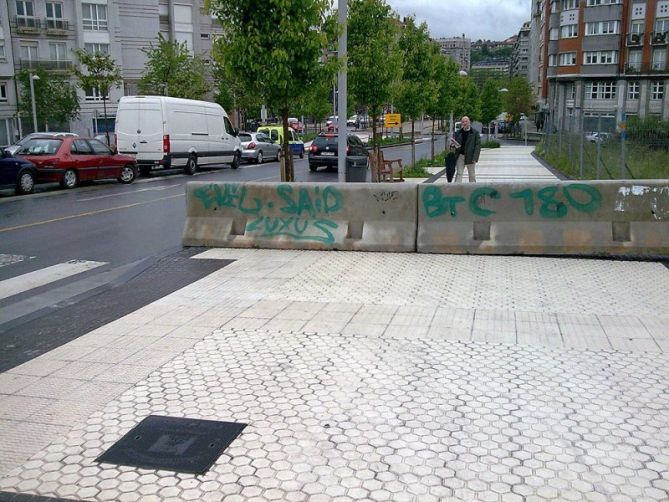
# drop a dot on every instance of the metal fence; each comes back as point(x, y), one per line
point(590, 147)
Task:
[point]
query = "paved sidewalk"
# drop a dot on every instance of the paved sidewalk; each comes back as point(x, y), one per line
point(370, 376)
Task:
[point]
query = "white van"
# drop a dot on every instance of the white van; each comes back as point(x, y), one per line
point(167, 133)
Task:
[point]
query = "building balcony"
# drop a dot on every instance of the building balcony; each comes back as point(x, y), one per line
point(57, 27)
point(659, 38)
point(632, 69)
point(50, 65)
point(27, 25)
point(634, 39)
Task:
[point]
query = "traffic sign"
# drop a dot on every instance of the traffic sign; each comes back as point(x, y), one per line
point(393, 119)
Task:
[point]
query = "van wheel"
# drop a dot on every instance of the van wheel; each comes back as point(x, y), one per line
point(259, 158)
point(69, 179)
point(128, 174)
point(191, 165)
point(235, 161)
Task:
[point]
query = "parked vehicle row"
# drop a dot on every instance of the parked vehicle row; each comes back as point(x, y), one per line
point(68, 160)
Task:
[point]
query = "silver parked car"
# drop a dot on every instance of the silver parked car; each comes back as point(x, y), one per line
point(257, 147)
point(16, 146)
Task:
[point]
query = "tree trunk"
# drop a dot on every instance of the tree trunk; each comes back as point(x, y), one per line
point(287, 173)
point(376, 149)
point(413, 142)
point(432, 139)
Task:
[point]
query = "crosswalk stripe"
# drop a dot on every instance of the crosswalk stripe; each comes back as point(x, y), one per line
point(25, 282)
point(9, 259)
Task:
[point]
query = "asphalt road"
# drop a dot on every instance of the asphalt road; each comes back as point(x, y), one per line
point(119, 228)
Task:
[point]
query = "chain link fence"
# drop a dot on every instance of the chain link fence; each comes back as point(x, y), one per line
point(589, 147)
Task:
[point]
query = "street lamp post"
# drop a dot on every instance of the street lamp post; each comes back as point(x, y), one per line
point(502, 90)
point(32, 79)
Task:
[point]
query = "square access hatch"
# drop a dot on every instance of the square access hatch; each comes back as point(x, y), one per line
point(173, 444)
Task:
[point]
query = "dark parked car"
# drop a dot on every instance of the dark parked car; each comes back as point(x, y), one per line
point(323, 151)
point(70, 160)
point(17, 172)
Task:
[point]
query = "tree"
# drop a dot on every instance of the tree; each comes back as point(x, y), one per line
point(491, 102)
point(417, 85)
point(171, 70)
point(56, 99)
point(374, 63)
point(445, 76)
point(467, 101)
point(519, 99)
point(278, 48)
point(101, 72)
point(231, 94)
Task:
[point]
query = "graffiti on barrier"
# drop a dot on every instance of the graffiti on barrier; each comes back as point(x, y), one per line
point(304, 212)
point(553, 201)
point(386, 196)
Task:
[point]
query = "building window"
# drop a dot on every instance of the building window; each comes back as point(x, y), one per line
point(600, 90)
point(571, 91)
point(94, 16)
point(93, 94)
point(569, 31)
point(569, 4)
point(28, 52)
point(54, 15)
point(25, 14)
point(633, 90)
point(3, 92)
point(552, 60)
point(592, 3)
point(600, 57)
point(97, 48)
point(662, 25)
point(634, 60)
point(2, 49)
point(637, 27)
point(659, 59)
point(57, 51)
point(567, 58)
point(554, 34)
point(657, 89)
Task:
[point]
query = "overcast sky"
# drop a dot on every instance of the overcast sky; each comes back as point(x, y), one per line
point(477, 19)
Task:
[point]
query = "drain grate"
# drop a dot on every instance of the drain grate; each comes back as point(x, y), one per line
point(173, 444)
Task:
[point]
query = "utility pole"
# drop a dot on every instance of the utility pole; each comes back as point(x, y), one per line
point(341, 97)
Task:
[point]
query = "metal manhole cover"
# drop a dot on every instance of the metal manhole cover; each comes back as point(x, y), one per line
point(173, 444)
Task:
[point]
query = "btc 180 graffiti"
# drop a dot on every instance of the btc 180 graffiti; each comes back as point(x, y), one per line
point(303, 213)
point(553, 201)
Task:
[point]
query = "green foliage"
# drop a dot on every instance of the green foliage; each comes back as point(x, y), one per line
point(418, 84)
point(171, 70)
point(446, 75)
point(484, 53)
point(97, 71)
point(649, 130)
point(490, 144)
point(277, 47)
point(519, 99)
point(468, 101)
point(56, 100)
point(416, 171)
point(374, 62)
point(231, 93)
point(491, 101)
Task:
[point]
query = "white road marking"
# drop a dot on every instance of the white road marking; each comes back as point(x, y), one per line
point(8, 259)
point(25, 282)
point(153, 189)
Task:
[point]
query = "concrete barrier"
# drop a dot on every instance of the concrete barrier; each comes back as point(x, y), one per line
point(602, 218)
point(344, 216)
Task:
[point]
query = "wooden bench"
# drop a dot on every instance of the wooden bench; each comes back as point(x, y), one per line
point(385, 169)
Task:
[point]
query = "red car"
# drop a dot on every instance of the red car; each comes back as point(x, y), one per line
point(71, 160)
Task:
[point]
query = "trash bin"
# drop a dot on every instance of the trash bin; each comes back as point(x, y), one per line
point(356, 170)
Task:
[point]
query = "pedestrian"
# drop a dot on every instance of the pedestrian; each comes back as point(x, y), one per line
point(469, 150)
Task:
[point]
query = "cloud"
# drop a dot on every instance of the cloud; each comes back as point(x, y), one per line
point(477, 19)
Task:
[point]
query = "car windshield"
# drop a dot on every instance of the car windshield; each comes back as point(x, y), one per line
point(325, 140)
point(40, 146)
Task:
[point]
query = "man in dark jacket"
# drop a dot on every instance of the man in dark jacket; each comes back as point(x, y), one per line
point(469, 140)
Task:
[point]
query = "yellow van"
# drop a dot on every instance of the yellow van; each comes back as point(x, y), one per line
point(275, 133)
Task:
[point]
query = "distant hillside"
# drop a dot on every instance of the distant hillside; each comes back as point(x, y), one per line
point(485, 53)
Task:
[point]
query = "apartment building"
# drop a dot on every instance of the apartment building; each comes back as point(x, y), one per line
point(44, 33)
point(459, 48)
point(605, 59)
point(520, 57)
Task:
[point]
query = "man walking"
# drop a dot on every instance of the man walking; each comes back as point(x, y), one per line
point(469, 140)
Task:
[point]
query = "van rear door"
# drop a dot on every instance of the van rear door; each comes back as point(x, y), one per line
point(139, 129)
